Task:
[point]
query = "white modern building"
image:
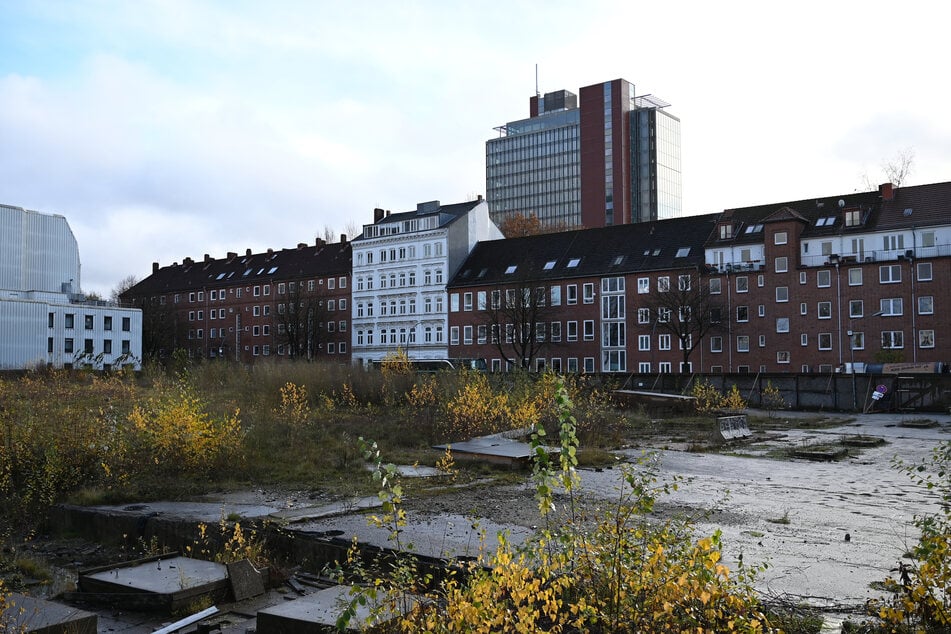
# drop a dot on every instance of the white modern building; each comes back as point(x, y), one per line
point(44, 317)
point(401, 264)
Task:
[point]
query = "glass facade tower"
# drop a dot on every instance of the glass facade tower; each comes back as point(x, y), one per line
point(611, 159)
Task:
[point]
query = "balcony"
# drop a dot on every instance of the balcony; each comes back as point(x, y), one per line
point(883, 255)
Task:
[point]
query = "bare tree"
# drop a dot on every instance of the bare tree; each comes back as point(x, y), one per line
point(124, 285)
point(517, 317)
point(895, 170)
point(353, 230)
point(682, 306)
point(301, 316)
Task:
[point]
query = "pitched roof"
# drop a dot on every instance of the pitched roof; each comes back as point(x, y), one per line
point(286, 264)
point(621, 249)
point(447, 213)
point(918, 206)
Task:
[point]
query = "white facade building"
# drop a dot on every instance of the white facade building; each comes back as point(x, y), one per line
point(44, 318)
point(401, 264)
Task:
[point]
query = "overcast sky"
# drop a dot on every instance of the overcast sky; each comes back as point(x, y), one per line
point(166, 129)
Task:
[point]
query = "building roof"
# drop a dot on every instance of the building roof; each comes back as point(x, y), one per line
point(620, 249)
point(272, 266)
point(917, 206)
point(447, 214)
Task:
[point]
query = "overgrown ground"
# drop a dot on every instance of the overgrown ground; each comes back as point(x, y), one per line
point(93, 439)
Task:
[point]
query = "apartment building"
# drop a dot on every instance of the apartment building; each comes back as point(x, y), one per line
point(803, 286)
point(401, 264)
point(288, 303)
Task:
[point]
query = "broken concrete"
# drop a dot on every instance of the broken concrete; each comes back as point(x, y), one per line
point(319, 612)
point(28, 615)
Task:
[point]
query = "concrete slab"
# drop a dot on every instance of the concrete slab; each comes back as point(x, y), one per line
point(208, 512)
point(170, 583)
point(28, 615)
point(318, 613)
point(495, 449)
point(246, 580)
point(327, 510)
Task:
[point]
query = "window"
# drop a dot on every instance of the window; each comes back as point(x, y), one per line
point(853, 218)
point(281, 288)
point(588, 293)
point(88, 321)
point(87, 346)
point(855, 277)
point(782, 264)
point(761, 280)
point(663, 342)
point(191, 297)
point(762, 341)
point(68, 346)
point(643, 315)
point(856, 308)
point(889, 274)
point(804, 339)
point(802, 277)
point(555, 297)
point(107, 346)
point(782, 294)
point(572, 330)
point(782, 324)
point(926, 305)
point(683, 283)
point(782, 357)
point(341, 326)
point(589, 330)
point(663, 314)
point(858, 340)
point(342, 282)
point(926, 338)
point(761, 310)
point(643, 285)
point(803, 308)
point(571, 293)
point(643, 342)
point(256, 311)
point(589, 364)
point(726, 232)
point(126, 324)
point(892, 339)
point(742, 343)
point(716, 344)
point(780, 237)
point(106, 322)
point(924, 271)
point(742, 313)
point(453, 302)
point(467, 335)
point(715, 286)
point(891, 307)
point(742, 284)
point(467, 301)
point(663, 284)
point(824, 310)
point(69, 319)
point(824, 279)
point(825, 341)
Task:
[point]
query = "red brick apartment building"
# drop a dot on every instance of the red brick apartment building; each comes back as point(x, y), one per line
point(803, 286)
point(277, 304)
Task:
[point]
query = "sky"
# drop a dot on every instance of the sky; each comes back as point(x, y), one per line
point(165, 129)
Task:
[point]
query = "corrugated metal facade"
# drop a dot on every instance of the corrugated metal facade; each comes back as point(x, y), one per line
point(39, 324)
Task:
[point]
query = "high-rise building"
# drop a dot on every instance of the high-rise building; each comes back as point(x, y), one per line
point(607, 158)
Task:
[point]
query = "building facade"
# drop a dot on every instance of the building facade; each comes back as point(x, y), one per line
point(608, 158)
point(401, 264)
point(817, 285)
point(290, 303)
point(45, 320)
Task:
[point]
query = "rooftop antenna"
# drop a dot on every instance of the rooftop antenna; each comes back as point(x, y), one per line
point(537, 94)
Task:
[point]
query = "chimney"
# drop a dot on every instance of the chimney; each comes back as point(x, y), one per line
point(377, 215)
point(319, 242)
point(479, 198)
point(301, 245)
point(207, 258)
point(270, 253)
point(154, 267)
point(188, 261)
point(387, 213)
point(232, 255)
point(247, 253)
point(343, 238)
point(887, 190)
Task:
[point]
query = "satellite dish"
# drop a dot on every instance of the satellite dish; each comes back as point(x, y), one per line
point(841, 203)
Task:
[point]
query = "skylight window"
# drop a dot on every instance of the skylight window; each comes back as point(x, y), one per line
point(683, 252)
point(825, 222)
point(271, 270)
point(549, 265)
point(261, 270)
point(220, 275)
point(656, 252)
point(483, 272)
point(511, 269)
point(754, 228)
point(618, 260)
point(248, 272)
point(573, 263)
